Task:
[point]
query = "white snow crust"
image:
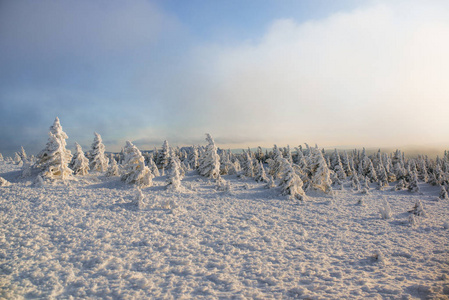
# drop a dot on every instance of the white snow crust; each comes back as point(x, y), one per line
point(84, 238)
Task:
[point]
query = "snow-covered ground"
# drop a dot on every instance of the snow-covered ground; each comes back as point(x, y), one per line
point(86, 239)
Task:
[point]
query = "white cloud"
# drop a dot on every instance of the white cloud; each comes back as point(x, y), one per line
point(372, 76)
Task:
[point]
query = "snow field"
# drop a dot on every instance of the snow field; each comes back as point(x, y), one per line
point(86, 239)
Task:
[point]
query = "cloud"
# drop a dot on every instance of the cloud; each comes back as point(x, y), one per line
point(371, 76)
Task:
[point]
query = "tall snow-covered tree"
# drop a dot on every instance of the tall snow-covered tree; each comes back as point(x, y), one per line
point(291, 184)
point(248, 165)
point(79, 163)
point(22, 154)
point(163, 157)
point(320, 173)
point(209, 164)
point(99, 161)
point(54, 159)
point(261, 176)
point(135, 171)
point(193, 158)
point(275, 163)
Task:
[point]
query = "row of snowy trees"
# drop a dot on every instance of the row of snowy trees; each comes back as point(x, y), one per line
point(305, 169)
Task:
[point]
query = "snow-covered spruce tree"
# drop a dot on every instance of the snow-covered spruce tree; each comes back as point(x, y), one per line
point(153, 168)
point(209, 162)
point(291, 184)
point(261, 176)
point(174, 177)
point(135, 171)
point(22, 154)
point(275, 163)
point(443, 193)
point(113, 169)
point(345, 162)
point(54, 159)
point(193, 157)
point(320, 173)
point(17, 158)
point(365, 186)
point(163, 157)
point(248, 166)
point(355, 183)
point(418, 209)
point(98, 160)
point(337, 166)
point(413, 185)
point(382, 177)
point(371, 172)
point(79, 163)
point(385, 211)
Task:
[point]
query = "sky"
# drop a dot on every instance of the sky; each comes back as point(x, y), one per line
point(336, 73)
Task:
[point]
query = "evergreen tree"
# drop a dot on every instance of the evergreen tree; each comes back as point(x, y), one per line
point(261, 176)
point(98, 160)
point(163, 158)
point(54, 158)
point(134, 167)
point(79, 163)
point(275, 163)
point(113, 169)
point(443, 193)
point(320, 173)
point(193, 158)
point(413, 185)
point(209, 164)
point(22, 154)
point(248, 169)
point(174, 178)
point(153, 168)
point(291, 184)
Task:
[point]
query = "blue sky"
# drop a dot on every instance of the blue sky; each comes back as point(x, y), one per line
point(336, 73)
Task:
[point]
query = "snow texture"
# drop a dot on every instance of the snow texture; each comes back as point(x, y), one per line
point(95, 237)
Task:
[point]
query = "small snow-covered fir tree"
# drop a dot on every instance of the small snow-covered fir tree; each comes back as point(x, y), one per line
point(79, 163)
point(113, 169)
point(355, 183)
point(402, 184)
point(209, 164)
point(385, 211)
point(153, 168)
point(418, 209)
point(174, 176)
point(17, 158)
point(26, 170)
point(55, 158)
point(135, 171)
point(443, 193)
point(223, 185)
point(413, 185)
point(99, 161)
point(138, 200)
point(261, 176)
point(291, 184)
point(271, 182)
point(22, 154)
point(193, 158)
